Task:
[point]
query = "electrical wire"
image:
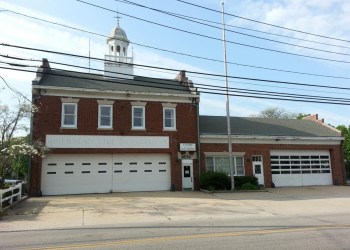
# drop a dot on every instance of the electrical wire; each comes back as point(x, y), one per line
point(269, 24)
point(176, 70)
point(202, 86)
point(184, 54)
point(215, 38)
point(190, 19)
point(229, 25)
point(223, 93)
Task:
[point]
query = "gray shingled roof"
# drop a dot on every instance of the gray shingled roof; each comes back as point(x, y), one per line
point(69, 79)
point(216, 125)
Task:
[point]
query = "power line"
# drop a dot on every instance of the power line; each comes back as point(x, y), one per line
point(190, 19)
point(260, 31)
point(176, 70)
point(184, 54)
point(203, 86)
point(214, 38)
point(234, 26)
point(269, 24)
point(240, 94)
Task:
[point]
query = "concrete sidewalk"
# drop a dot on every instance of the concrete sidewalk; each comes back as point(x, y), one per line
point(121, 209)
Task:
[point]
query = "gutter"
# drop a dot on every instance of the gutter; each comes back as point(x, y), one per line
point(35, 86)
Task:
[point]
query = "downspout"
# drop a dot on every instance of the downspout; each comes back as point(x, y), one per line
point(30, 158)
point(198, 144)
point(343, 166)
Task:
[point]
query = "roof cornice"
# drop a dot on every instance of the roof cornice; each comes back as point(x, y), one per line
point(251, 139)
point(112, 94)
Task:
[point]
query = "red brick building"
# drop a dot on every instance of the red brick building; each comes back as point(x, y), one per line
point(280, 152)
point(118, 132)
point(114, 132)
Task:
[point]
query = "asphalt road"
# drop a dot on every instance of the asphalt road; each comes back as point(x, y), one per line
point(288, 218)
point(307, 232)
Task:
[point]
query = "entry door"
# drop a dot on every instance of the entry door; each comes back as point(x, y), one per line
point(258, 169)
point(187, 174)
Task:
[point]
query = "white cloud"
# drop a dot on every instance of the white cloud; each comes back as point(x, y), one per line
point(329, 18)
point(294, 14)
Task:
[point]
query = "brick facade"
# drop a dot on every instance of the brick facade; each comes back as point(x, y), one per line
point(48, 121)
point(336, 156)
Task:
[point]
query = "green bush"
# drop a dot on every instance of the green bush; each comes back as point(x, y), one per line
point(249, 186)
point(221, 181)
point(347, 169)
point(215, 181)
point(241, 180)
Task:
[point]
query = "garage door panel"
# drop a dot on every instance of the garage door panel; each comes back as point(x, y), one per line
point(317, 179)
point(141, 172)
point(287, 180)
point(300, 168)
point(77, 174)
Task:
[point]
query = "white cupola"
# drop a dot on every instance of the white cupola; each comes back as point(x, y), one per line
point(117, 62)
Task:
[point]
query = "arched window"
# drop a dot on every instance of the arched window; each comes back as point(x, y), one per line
point(118, 50)
point(124, 51)
point(112, 48)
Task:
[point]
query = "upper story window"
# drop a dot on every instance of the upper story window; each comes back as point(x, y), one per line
point(169, 118)
point(138, 117)
point(105, 116)
point(138, 121)
point(69, 115)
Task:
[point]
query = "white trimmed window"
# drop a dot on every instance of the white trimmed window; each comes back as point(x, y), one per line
point(105, 116)
point(69, 115)
point(138, 117)
point(169, 118)
point(221, 164)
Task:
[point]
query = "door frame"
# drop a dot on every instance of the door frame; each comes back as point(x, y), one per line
point(258, 162)
point(187, 162)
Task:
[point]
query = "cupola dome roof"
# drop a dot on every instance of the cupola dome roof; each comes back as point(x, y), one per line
point(118, 34)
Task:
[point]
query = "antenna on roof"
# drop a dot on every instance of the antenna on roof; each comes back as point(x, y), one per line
point(89, 55)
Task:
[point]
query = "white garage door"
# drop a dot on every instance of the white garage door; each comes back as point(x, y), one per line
point(300, 168)
point(78, 174)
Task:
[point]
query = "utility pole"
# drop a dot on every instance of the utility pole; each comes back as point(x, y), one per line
point(230, 159)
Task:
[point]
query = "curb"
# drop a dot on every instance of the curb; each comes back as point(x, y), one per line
point(234, 191)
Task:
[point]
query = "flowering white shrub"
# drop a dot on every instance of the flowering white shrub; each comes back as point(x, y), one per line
point(24, 149)
point(14, 120)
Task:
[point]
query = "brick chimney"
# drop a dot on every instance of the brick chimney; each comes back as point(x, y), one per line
point(314, 118)
point(44, 67)
point(181, 77)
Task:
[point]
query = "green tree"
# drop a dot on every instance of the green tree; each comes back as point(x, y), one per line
point(13, 121)
point(302, 115)
point(19, 163)
point(276, 112)
point(345, 131)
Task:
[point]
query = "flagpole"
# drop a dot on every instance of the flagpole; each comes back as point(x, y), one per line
point(228, 117)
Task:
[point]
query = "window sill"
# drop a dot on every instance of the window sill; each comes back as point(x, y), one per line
point(138, 129)
point(169, 129)
point(104, 128)
point(68, 127)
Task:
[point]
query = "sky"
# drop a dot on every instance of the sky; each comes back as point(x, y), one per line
point(327, 18)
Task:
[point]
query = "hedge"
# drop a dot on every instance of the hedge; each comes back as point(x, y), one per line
point(221, 181)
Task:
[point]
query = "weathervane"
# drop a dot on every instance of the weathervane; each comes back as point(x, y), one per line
point(118, 17)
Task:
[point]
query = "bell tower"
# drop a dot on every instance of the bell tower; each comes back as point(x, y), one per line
point(117, 62)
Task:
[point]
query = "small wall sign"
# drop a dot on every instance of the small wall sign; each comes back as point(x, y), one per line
point(187, 147)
